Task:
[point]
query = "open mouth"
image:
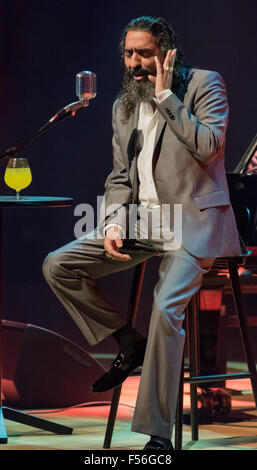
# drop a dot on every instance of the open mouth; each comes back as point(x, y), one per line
point(139, 77)
point(139, 73)
point(142, 75)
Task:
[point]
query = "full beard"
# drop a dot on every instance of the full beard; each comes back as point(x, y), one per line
point(135, 91)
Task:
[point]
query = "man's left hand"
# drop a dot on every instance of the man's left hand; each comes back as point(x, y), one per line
point(163, 79)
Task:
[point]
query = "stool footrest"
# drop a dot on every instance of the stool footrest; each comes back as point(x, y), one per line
point(217, 378)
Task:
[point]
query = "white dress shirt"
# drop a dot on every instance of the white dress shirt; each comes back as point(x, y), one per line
point(147, 123)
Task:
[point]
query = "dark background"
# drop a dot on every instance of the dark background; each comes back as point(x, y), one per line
point(43, 45)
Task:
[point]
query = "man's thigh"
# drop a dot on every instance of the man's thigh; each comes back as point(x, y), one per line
point(86, 257)
point(180, 276)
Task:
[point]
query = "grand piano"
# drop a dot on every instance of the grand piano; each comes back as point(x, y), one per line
point(243, 194)
point(213, 321)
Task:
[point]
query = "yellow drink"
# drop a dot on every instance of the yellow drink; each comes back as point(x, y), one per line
point(17, 178)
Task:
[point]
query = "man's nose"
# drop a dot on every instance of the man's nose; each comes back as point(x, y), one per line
point(135, 60)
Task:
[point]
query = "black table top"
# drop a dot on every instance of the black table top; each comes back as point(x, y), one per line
point(30, 201)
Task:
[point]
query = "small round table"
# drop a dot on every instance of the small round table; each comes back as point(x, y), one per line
point(9, 413)
point(29, 201)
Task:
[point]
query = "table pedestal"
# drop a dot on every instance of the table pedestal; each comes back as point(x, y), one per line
point(5, 412)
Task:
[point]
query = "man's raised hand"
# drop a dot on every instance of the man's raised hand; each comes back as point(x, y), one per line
point(163, 79)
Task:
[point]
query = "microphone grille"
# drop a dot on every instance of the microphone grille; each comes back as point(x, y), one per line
point(86, 85)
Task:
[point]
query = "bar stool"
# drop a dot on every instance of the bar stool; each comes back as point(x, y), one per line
point(231, 264)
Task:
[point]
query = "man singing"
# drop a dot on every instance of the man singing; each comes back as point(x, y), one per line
point(169, 125)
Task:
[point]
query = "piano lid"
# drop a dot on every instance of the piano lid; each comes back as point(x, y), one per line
point(248, 162)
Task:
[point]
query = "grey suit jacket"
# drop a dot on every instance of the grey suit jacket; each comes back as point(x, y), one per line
point(188, 165)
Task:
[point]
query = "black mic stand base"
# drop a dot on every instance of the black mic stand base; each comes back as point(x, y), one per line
point(29, 420)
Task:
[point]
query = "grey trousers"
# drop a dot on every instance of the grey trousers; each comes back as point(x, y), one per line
point(71, 272)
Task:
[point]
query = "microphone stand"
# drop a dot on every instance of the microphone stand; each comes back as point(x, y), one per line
point(68, 111)
point(5, 412)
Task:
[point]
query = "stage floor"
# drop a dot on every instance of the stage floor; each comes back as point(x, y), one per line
point(236, 431)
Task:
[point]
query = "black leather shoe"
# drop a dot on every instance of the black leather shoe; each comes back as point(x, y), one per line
point(157, 443)
point(121, 367)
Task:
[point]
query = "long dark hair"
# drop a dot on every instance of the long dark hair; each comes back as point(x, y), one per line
point(165, 40)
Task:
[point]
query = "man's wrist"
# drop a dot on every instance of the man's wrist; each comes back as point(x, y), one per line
point(120, 230)
point(162, 95)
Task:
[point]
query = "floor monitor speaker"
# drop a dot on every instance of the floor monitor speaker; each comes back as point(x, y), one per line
point(42, 369)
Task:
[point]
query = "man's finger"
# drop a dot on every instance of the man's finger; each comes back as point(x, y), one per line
point(170, 58)
point(110, 246)
point(152, 78)
point(173, 57)
point(115, 255)
point(119, 242)
point(112, 234)
point(110, 249)
point(167, 58)
point(158, 66)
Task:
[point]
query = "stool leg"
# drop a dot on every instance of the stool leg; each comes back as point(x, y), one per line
point(132, 312)
point(136, 292)
point(179, 411)
point(246, 340)
point(193, 360)
point(112, 417)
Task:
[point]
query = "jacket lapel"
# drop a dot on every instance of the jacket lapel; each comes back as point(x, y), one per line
point(133, 147)
point(161, 123)
point(127, 135)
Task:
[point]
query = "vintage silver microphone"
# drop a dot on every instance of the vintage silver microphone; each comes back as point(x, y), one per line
point(86, 85)
point(85, 91)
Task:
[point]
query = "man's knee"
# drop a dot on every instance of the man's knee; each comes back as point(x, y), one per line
point(50, 266)
point(169, 310)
